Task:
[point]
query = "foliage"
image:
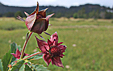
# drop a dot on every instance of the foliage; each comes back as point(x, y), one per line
point(93, 49)
point(21, 64)
point(9, 14)
point(18, 66)
point(17, 60)
point(8, 57)
point(1, 67)
point(94, 14)
point(18, 13)
point(75, 15)
point(108, 15)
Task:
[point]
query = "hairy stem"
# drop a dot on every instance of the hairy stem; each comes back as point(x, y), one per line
point(22, 53)
point(32, 55)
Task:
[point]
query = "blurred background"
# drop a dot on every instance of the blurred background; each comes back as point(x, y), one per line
point(85, 27)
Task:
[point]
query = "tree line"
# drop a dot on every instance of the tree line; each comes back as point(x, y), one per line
point(83, 11)
point(96, 14)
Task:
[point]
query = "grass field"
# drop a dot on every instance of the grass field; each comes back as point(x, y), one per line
point(89, 42)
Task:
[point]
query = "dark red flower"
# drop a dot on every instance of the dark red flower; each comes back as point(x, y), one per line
point(37, 21)
point(52, 50)
point(18, 54)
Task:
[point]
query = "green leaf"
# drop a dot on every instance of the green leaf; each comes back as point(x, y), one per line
point(39, 68)
point(22, 68)
point(13, 47)
point(18, 66)
point(19, 48)
point(8, 57)
point(13, 50)
point(6, 60)
point(1, 67)
point(27, 68)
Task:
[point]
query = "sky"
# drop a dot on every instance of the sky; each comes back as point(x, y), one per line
point(66, 3)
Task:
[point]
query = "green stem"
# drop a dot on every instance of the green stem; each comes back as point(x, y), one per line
point(32, 55)
point(22, 53)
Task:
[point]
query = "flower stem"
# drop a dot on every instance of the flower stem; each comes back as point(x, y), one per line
point(32, 55)
point(22, 53)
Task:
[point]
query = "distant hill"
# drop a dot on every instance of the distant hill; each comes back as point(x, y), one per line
point(59, 11)
point(6, 9)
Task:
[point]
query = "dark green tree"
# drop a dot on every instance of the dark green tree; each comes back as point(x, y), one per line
point(97, 14)
point(75, 15)
point(9, 14)
point(94, 14)
point(18, 13)
point(58, 15)
point(1, 15)
point(108, 15)
point(80, 13)
point(91, 14)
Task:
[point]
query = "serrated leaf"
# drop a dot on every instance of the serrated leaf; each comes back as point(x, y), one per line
point(39, 68)
point(13, 48)
point(22, 67)
point(18, 66)
point(27, 68)
point(1, 67)
point(7, 59)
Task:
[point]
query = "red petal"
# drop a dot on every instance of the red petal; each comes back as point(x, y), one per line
point(49, 42)
point(18, 53)
point(14, 55)
point(43, 46)
point(26, 14)
point(60, 43)
point(25, 54)
point(43, 13)
point(39, 26)
point(47, 58)
point(61, 55)
point(54, 38)
point(30, 20)
point(47, 20)
point(62, 48)
point(57, 61)
point(36, 10)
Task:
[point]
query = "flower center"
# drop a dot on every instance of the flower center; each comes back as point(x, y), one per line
point(55, 51)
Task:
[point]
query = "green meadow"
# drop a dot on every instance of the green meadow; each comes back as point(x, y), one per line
point(89, 42)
